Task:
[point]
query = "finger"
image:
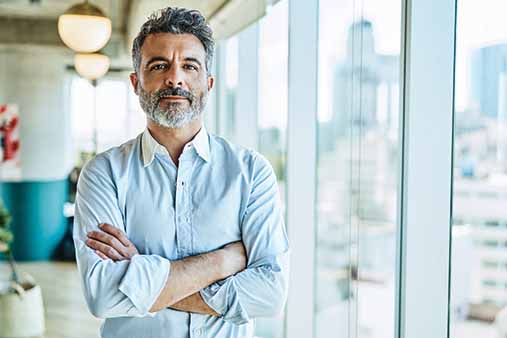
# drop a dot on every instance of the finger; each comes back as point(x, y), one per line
point(109, 240)
point(105, 249)
point(101, 255)
point(116, 232)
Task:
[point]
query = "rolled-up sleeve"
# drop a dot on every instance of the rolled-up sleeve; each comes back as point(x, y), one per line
point(261, 289)
point(112, 289)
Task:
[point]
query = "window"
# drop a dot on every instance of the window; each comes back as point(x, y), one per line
point(272, 113)
point(227, 71)
point(489, 283)
point(273, 90)
point(358, 149)
point(489, 264)
point(118, 116)
point(490, 243)
point(478, 288)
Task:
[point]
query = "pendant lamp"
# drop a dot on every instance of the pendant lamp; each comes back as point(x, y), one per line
point(84, 28)
point(91, 66)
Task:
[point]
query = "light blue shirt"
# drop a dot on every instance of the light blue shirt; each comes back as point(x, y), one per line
point(219, 193)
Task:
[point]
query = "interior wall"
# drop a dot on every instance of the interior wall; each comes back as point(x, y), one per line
point(35, 79)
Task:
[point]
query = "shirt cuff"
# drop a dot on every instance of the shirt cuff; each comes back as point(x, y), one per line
point(223, 299)
point(215, 296)
point(144, 280)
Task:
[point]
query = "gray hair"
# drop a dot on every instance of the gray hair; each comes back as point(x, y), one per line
point(177, 21)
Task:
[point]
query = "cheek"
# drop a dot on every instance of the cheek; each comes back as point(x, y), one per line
point(198, 87)
point(152, 82)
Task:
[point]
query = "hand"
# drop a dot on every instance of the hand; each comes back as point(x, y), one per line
point(234, 258)
point(112, 243)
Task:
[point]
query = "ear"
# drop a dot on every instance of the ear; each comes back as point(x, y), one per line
point(211, 82)
point(134, 81)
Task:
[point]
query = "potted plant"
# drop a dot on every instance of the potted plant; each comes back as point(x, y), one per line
point(21, 307)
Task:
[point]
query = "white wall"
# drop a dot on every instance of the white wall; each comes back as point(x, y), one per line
point(34, 77)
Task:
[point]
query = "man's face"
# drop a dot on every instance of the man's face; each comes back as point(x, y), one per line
point(172, 82)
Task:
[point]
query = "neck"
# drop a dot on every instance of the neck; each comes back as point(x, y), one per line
point(174, 139)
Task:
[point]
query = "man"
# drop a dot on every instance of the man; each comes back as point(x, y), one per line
point(179, 233)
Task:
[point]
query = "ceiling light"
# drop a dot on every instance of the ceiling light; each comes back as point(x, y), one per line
point(91, 66)
point(84, 28)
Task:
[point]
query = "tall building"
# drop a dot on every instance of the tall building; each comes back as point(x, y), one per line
point(366, 83)
point(480, 204)
point(479, 199)
point(357, 192)
point(487, 65)
point(365, 115)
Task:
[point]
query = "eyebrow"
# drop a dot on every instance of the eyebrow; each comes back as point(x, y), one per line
point(192, 59)
point(161, 58)
point(156, 58)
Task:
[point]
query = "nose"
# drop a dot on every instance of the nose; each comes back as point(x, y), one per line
point(174, 77)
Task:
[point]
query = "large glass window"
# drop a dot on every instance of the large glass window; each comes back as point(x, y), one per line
point(272, 114)
point(273, 89)
point(358, 167)
point(111, 110)
point(479, 233)
point(228, 75)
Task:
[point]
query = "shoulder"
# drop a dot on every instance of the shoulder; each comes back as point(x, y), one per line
point(112, 161)
point(249, 160)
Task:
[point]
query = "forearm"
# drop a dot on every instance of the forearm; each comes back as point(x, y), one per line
point(195, 304)
point(258, 291)
point(188, 276)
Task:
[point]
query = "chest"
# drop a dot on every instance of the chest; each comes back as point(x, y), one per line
point(183, 213)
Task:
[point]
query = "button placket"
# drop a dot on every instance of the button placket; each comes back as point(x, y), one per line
point(182, 216)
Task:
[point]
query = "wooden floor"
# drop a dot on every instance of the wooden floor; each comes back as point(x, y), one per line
point(66, 313)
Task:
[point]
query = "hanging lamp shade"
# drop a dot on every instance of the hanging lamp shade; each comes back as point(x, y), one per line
point(84, 28)
point(91, 66)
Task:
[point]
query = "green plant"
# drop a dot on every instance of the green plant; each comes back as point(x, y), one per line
point(6, 238)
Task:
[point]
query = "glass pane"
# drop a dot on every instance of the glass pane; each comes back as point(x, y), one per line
point(273, 88)
point(479, 233)
point(111, 113)
point(227, 92)
point(272, 115)
point(115, 106)
point(358, 174)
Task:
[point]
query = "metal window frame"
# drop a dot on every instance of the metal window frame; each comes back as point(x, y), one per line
point(301, 165)
point(425, 208)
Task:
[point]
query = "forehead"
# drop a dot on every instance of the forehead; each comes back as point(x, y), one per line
point(166, 44)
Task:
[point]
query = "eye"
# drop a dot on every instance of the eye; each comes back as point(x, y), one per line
point(158, 66)
point(189, 66)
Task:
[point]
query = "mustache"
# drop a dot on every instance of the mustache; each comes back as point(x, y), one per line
point(174, 92)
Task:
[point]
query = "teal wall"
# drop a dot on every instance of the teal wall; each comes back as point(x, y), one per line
point(37, 217)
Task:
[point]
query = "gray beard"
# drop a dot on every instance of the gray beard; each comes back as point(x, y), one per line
point(173, 116)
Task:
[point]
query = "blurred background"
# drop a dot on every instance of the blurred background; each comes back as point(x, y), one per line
point(57, 111)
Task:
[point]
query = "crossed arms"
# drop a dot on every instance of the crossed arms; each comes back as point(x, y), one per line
point(188, 275)
point(233, 282)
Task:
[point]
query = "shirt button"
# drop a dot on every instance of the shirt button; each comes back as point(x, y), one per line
point(198, 332)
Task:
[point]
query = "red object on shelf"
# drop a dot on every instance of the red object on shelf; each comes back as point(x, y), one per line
point(10, 145)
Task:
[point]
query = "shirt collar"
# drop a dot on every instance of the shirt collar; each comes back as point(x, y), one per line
point(150, 146)
point(201, 144)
